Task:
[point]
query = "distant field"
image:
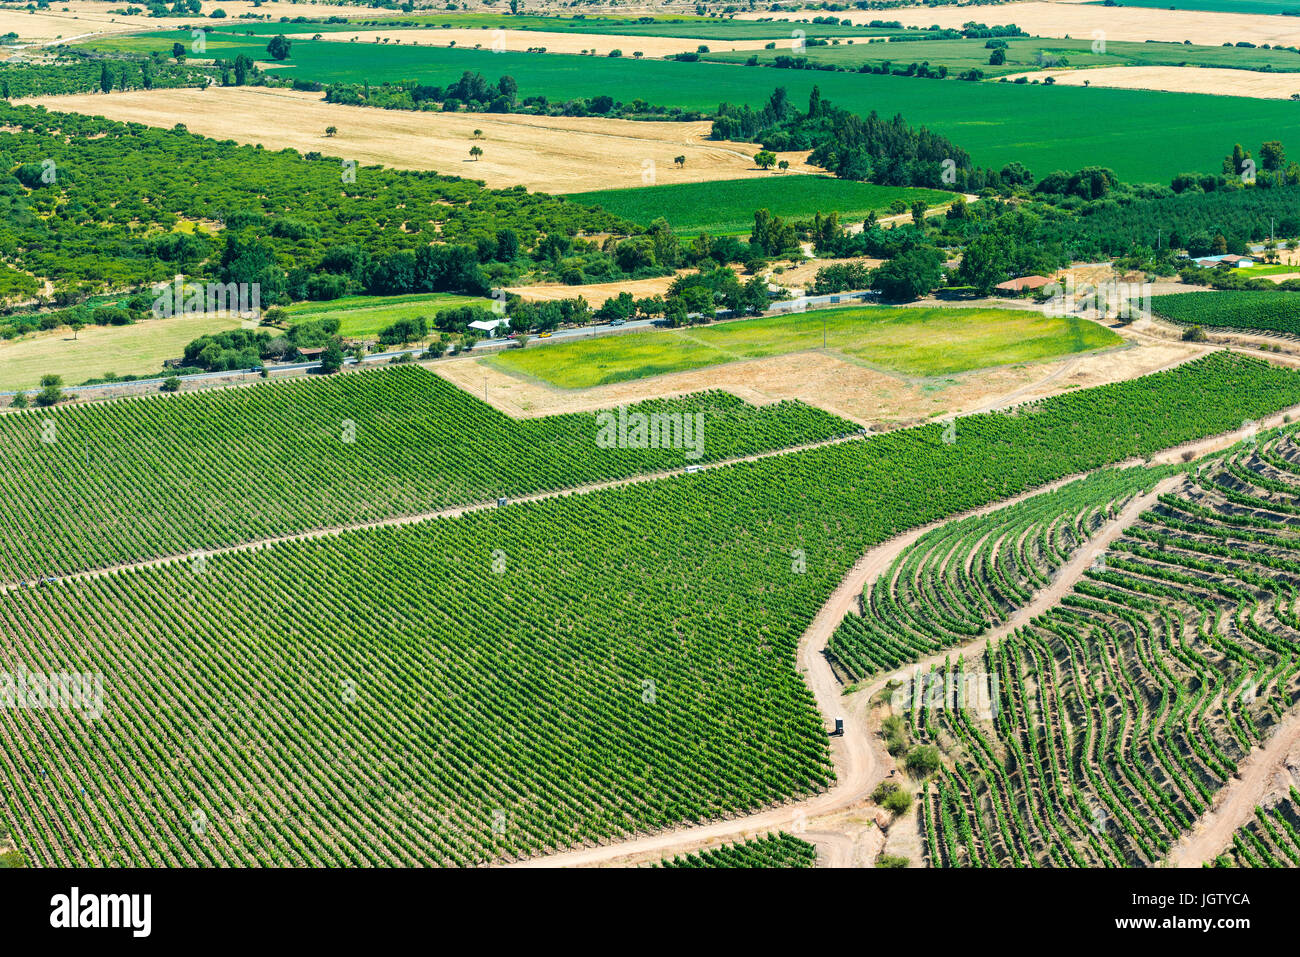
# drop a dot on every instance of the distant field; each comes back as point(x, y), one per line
point(367, 315)
point(137, 349)
point(1028, 54)
point(910, 341)
point(1145, 137)
point(1216, 6)
point(727, 206)
point(1265, 310)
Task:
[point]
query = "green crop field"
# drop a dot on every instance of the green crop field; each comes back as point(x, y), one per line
point(727, 206)
point(363, 316)
point(1146, 136)
point(1264, 310)
point(1025, 54)
point(389, 697)
point(909, 341)
point(212, 468)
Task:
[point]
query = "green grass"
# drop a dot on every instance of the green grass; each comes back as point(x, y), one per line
point(704, 28)
point(727, 206)
point(1145, 137)
point(909, 341)
point(1024, 54)
point(1275, 270)
point(361, 316)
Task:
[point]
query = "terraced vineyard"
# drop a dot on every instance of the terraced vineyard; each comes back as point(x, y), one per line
point(488, 687)
point(1245, 309)
point(1272, 839)
point(1117, 716)
point(959, 580)
point(97, 485)
point(771, 850)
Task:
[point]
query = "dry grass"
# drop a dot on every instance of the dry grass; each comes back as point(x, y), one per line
point(521, 40)
point(83, 17)
point(866, 396)
point(1080, 19)
point(551, 154)
point(1179, 79)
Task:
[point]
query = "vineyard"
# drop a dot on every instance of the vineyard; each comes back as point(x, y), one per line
point(959, 580)
point(771, 850)
point(97, 485)
point(1116, 717)
point(487, 687)
point(1272, 839)
point(1265, 310)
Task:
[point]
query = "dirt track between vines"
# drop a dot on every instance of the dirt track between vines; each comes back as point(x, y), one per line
point(860, 760)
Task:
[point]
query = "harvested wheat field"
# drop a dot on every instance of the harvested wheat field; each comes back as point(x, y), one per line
point(551, 154)
point(81, 18)
point(596, 293)
point(523, 40)
point(867, 396)
point(1179, 79)
point(1080, 21)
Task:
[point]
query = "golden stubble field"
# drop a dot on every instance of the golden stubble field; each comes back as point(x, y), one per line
point(551, 154)
point(522, 40)
point(1179, 79)
point(77, 18)
point(1080, 19)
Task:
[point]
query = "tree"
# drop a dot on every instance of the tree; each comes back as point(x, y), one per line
point(998, 57)
point(105, 78)
point(178, 52)
point(331, 131)
point(475, 152)
point(910, 275)
point(783, 165)
point(331, 360)
point(1273, 155)
point(680, 161)
point(918, 212)
point(171, 384)
point(76, 325)
point(478, 134)
point(243, 64)
point(279, 47)
point(764, 159)
point(51, 390)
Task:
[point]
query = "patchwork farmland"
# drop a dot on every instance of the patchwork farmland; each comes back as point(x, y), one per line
point(682, 437)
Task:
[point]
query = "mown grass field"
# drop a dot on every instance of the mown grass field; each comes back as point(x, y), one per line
point(137, 349)
point(1143, 136)
point(361, 316)
point(908, 341)
point(727, 206)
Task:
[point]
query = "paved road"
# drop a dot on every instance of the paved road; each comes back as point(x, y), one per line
point(798, 304)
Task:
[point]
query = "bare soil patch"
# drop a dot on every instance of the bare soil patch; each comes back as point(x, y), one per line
point(1179, 79)
point(550, 154)
point(1079, 19)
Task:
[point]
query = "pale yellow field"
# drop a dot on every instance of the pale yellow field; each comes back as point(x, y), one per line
point(1079, 21)
point(88, 17)
point(551, 154)
point(1180, 79)
point(520, 40)
point(122, 350)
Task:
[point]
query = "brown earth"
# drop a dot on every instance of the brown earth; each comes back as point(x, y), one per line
point(546, 153)
point(1178, 79)
point(1079, 20)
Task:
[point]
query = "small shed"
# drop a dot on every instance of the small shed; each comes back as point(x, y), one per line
point(312, 353)
point(489, 327)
